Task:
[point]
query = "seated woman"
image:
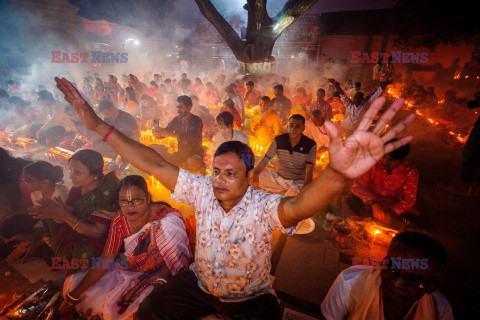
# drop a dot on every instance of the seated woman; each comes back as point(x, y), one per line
point(155, 246)
point(78, 228)
point(39, 180)
point(11, 198)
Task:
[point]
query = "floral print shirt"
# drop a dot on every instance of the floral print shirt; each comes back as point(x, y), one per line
point(233, 249)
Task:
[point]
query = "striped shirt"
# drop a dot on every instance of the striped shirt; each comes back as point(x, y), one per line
point(292, 161)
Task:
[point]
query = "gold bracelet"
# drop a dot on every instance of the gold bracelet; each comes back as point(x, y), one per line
point(76, 225)
point(71, 300)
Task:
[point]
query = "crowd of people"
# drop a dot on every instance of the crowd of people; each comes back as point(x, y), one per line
point(153, 271)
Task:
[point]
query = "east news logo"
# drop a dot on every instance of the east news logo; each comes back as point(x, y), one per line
point(397, 57)
point(93, 57)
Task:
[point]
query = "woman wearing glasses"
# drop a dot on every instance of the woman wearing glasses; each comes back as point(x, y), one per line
point(77, 228)
point(155, 247)
point(39, 180)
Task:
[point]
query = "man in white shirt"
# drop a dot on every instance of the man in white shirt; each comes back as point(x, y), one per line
point(354, 90)
point(226, 132)
point(401, 286)
point(315, 129)
point(354, 110)
point(234, 222)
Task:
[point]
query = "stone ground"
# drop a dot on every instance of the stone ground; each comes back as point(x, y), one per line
point(306, 265)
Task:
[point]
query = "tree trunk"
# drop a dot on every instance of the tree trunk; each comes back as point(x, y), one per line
point(254, 54)
point(257, 68)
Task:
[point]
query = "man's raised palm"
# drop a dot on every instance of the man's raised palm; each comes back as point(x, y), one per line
point(358, 153)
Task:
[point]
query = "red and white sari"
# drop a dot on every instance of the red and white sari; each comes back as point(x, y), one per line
point(162, 240)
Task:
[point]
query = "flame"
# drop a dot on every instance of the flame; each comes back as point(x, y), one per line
point(147, 138)
point(338, 118)
point(257, 150)
point(322, 160)
point(53, 153)
point(395, 93)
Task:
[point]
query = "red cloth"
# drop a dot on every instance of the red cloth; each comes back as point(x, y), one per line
point(119, 230)
point(397, 190)
point(151, 92)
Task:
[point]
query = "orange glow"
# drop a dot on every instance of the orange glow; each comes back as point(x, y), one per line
point(322, 160)
point(147, 138)
point(394, 93)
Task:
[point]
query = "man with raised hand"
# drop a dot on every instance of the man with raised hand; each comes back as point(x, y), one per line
point(231, 272)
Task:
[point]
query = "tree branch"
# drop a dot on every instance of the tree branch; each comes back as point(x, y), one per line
point(290, 11)
point(228, 34)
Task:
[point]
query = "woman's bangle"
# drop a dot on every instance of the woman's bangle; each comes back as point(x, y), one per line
point(108, 133)
point(71, 300)
point(76, 225)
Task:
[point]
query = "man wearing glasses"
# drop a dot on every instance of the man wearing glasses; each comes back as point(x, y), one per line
point(234, 222)
point(404, 287)
point(296, 159)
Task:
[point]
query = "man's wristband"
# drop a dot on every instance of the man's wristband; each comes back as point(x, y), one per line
point(108, 133)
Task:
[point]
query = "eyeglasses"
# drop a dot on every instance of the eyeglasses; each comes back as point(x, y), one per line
point(411, 281)
point(27, 180)
point(135, 202)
